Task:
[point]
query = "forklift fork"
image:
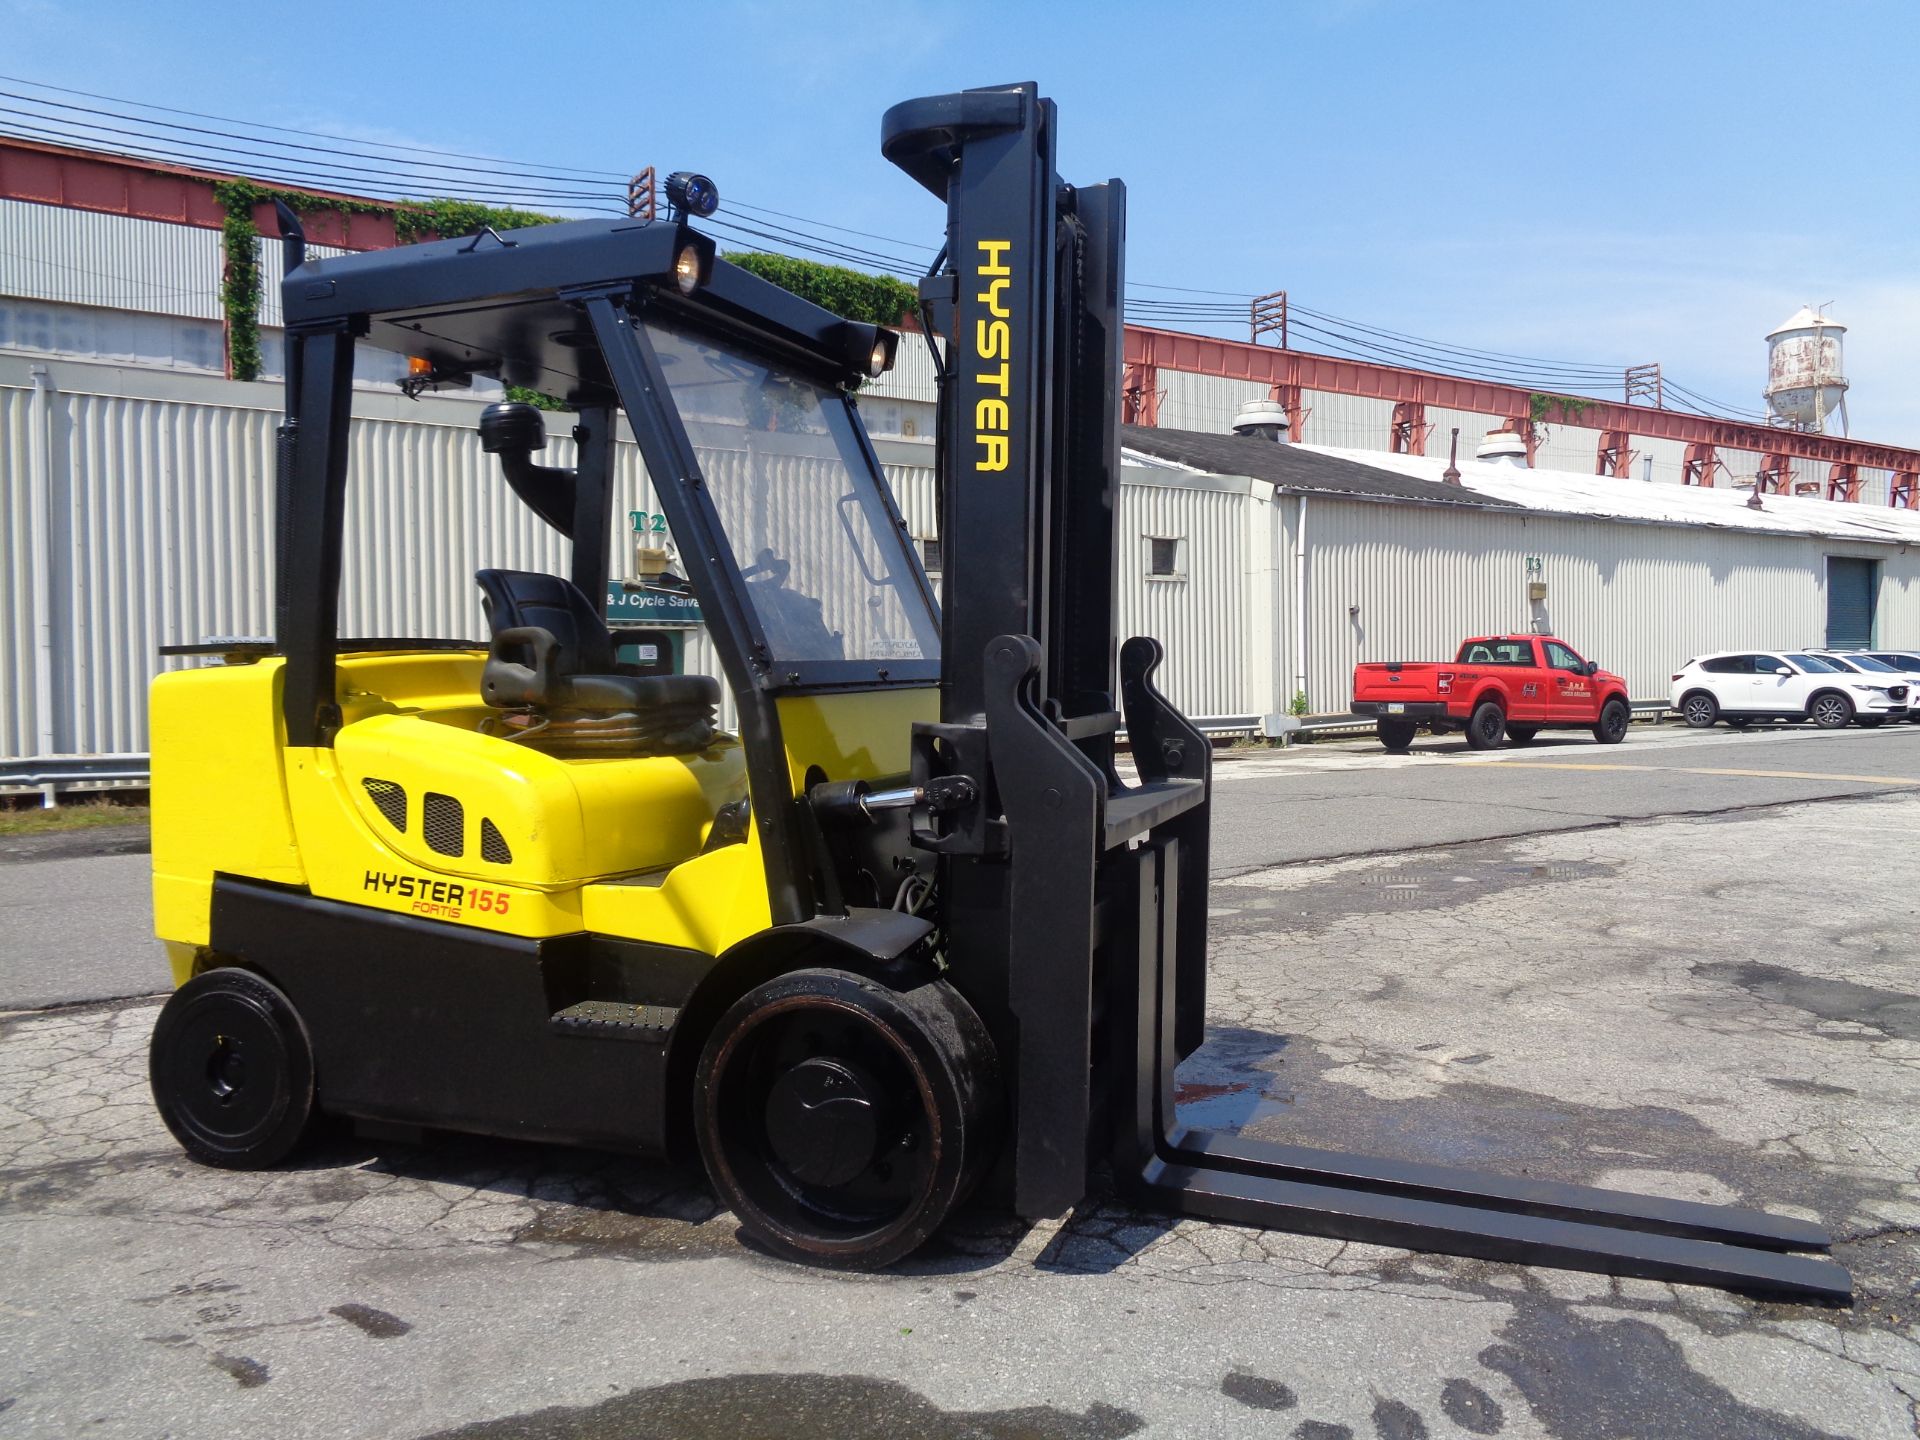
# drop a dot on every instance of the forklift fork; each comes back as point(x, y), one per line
point(1162, 1164)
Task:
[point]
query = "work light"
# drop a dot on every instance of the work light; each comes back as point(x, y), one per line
point(692, 194)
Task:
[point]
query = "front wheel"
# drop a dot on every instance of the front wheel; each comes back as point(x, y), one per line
point(1830, 711)
point(232, 1070)
point(1611, 727)
point(1396, 735)
point(840, 1120)
point(1700, 711)
point(1487, 727)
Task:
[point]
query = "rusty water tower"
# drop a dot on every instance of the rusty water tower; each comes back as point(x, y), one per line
point(1806, 373)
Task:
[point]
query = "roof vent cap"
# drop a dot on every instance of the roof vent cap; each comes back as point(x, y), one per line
point(1502, 447)
point(1265, 418)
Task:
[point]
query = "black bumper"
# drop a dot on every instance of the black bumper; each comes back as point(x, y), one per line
point(1415, 709)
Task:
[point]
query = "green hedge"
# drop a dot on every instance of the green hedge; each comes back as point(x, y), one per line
point(872, 299)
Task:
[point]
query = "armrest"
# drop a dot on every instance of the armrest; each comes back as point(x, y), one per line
point(506, 682)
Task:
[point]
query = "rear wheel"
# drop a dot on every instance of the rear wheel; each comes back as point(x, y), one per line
point(1700, 710)
point(232, 1070)
point(1396, 734)
point(1522, 734)
point(1830, 710)
point(1487, 727)
point(840, 1120)
point(1611, 727)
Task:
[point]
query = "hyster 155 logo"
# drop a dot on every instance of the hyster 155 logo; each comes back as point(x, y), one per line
point(443, 899)
point(993, 340)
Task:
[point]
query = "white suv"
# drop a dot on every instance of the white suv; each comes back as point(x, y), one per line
point(1741, 686)
point(1903, 662)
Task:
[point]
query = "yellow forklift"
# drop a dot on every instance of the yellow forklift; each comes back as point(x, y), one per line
point(910, 934)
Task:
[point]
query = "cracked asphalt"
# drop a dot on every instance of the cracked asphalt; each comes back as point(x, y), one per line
point(1716, 1005)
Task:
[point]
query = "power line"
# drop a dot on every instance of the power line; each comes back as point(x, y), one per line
point(286, 130)
point(506, 181)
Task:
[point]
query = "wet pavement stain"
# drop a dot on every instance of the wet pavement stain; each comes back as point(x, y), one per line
point(1806, 1087)
point(1395, 1420)
point(1891, 1012)
point(1510, 1131)
point(248, 1372)
point(1321, 1430)
point(377, 1323)
point(1603, 1379)
point(1436, 883)
point(794, 1407)
point(1257, 1392)
point(1471, 1408)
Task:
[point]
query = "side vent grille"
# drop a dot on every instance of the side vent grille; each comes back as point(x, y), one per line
point(443, 822)
point(493, 845)
point(390, 799)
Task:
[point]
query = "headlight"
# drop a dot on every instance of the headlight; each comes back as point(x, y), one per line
point(686, 270)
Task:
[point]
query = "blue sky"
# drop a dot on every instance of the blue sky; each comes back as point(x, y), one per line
point(1613, 183)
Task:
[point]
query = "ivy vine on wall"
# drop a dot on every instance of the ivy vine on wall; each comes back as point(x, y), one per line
point(1571, 407)
point(239, 243)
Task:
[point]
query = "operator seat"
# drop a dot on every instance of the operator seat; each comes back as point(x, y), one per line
point(553, 671)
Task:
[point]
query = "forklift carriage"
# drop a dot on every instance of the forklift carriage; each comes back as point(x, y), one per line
point(910, 933)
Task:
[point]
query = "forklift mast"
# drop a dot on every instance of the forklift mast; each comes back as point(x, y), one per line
point(1074, 902)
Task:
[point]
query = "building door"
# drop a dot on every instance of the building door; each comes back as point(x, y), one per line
point(1852, 588)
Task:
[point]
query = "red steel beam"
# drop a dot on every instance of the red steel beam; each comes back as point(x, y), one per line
point(1263, 364)
point(1615, 458)
point(151, 190)
point(1410, 428)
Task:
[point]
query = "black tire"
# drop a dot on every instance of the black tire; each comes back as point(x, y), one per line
point(1611, 727)
point(1699, 709)
point(1739, 722)
point(1396, 735)
point(1522, 734)
point(232, 1071)
point(841, 1121)
point(1830, 710)
point(1487, 727)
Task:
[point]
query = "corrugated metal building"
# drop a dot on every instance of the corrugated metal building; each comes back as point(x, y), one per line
point(136, 509)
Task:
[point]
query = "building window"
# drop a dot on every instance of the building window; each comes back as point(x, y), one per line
point(930, 554)
point(1166, 558)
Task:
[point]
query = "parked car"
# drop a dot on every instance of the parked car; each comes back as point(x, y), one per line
point(1497, 686)
point(1742, 686)
point(1904, 661)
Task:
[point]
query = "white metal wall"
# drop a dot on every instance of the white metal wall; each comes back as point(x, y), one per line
point(1403, 582)
point(48, 252)
point(1203, 617)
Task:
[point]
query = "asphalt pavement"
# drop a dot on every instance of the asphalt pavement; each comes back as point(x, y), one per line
point(1324, 801)
point(1682, 966)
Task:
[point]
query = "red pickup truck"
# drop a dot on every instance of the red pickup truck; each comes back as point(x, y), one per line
point(1498, 686)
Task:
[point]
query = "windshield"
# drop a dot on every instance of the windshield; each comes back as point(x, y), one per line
point(1867, 662)
point(826, 569)
point(1817, 665)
